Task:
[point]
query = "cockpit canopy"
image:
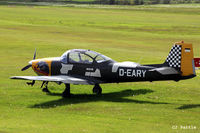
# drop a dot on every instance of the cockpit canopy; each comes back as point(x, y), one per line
point(83, 56)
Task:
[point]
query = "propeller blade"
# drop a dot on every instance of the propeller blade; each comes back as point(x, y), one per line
point(34, 54)
point(26, 67)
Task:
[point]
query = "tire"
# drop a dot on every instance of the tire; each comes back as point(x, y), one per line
point(97, 89)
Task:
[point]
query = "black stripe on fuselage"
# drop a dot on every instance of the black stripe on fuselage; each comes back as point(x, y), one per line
point(55, 67)
point(123, 74)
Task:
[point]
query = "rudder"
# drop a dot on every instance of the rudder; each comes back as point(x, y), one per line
point(181, 58)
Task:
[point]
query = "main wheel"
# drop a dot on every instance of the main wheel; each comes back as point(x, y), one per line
point(97, 89)
point(66, 93)
point(45, 90)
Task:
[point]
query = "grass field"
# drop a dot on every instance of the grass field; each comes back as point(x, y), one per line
point(142, 34)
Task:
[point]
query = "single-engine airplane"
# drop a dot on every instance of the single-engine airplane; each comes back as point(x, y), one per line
point(79, 66)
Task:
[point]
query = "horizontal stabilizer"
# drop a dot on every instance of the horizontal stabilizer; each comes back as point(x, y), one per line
point(166, 70)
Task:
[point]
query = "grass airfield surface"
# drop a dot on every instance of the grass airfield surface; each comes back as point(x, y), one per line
point(141, 34)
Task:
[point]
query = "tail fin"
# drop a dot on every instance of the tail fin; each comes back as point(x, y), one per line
point(181, 58)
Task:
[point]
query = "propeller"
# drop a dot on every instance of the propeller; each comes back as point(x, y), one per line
point(34, 56)
point(30, 64)
point(26, 67)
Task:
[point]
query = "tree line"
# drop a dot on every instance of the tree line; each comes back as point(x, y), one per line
point(146, 2)
point(118, 2)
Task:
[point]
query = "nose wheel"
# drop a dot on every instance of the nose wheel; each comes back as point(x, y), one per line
point(97, 89)
point(45, 89)
point(31, 83)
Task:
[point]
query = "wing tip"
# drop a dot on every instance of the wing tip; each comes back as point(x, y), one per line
point(15, 77)
point(12, 77)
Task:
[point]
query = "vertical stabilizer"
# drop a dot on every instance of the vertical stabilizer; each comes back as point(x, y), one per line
point(181, 58)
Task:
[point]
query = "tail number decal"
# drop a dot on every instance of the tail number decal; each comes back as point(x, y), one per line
point(132, 73)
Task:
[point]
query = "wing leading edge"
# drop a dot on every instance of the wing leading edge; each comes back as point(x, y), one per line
point(63, 79)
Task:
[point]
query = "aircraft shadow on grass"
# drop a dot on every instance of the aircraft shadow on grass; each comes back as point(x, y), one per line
point(189, 106)
point(109, 97)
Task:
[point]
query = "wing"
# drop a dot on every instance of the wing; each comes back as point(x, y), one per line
point(63, 79)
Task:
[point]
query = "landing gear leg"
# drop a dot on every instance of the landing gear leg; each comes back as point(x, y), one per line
point(31, 83)
point(97, 89)
point(45, 89)
point(66, 92)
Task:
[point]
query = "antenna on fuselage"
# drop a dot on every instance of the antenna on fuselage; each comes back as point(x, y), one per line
point(139, 60)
